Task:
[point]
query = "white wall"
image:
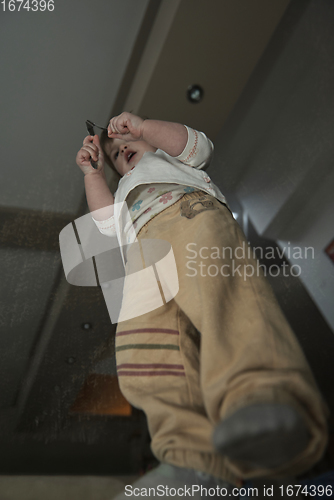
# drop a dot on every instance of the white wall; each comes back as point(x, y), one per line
point(275, 154)
point(313, 227)
point(58, 69)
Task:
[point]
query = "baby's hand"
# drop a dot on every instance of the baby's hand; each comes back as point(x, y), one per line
point(91, 150)
point(126, 126)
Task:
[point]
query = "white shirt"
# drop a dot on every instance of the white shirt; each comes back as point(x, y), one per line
point(187, 169)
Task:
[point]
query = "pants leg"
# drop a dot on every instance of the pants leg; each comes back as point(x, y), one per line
point(247, 352)
point(158, 360)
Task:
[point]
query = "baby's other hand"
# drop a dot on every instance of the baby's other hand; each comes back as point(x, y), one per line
point(91, 150)
point(126, 126)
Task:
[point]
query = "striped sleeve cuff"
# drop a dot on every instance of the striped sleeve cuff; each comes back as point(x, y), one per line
point(198, 151)
point(106, 227)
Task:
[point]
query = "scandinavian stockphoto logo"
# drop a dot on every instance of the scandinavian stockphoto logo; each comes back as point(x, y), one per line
point(243, 260)
point(148, 281)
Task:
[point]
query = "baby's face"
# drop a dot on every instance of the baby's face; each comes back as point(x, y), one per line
point(125, 155)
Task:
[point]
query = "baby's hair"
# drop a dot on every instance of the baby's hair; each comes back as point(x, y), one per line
point(104, 140)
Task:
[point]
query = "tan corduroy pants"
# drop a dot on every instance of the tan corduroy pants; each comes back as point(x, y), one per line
point(222, 343)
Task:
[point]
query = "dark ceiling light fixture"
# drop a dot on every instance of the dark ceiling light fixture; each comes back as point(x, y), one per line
point(86, 326)
point(195, 93)
point(71, 360)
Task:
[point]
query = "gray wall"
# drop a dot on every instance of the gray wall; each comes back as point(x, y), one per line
point(279, 149)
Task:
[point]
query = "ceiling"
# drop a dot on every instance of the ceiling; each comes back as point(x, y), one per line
point(84, 61)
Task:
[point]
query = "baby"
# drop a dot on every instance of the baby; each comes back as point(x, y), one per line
point(226, 389)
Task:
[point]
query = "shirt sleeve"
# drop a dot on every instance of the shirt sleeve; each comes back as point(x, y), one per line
point(198, 152)
point(106, 227)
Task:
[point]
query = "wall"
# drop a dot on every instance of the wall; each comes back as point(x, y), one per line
point(275, 155)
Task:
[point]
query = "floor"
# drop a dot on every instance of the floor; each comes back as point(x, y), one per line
point(62, 487)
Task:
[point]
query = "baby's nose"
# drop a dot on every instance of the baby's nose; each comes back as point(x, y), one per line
point(123, 148)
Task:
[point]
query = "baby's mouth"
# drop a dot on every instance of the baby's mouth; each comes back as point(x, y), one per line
point(130, 155)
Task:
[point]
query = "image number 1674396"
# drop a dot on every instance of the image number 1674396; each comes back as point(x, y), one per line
point(27, 5)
